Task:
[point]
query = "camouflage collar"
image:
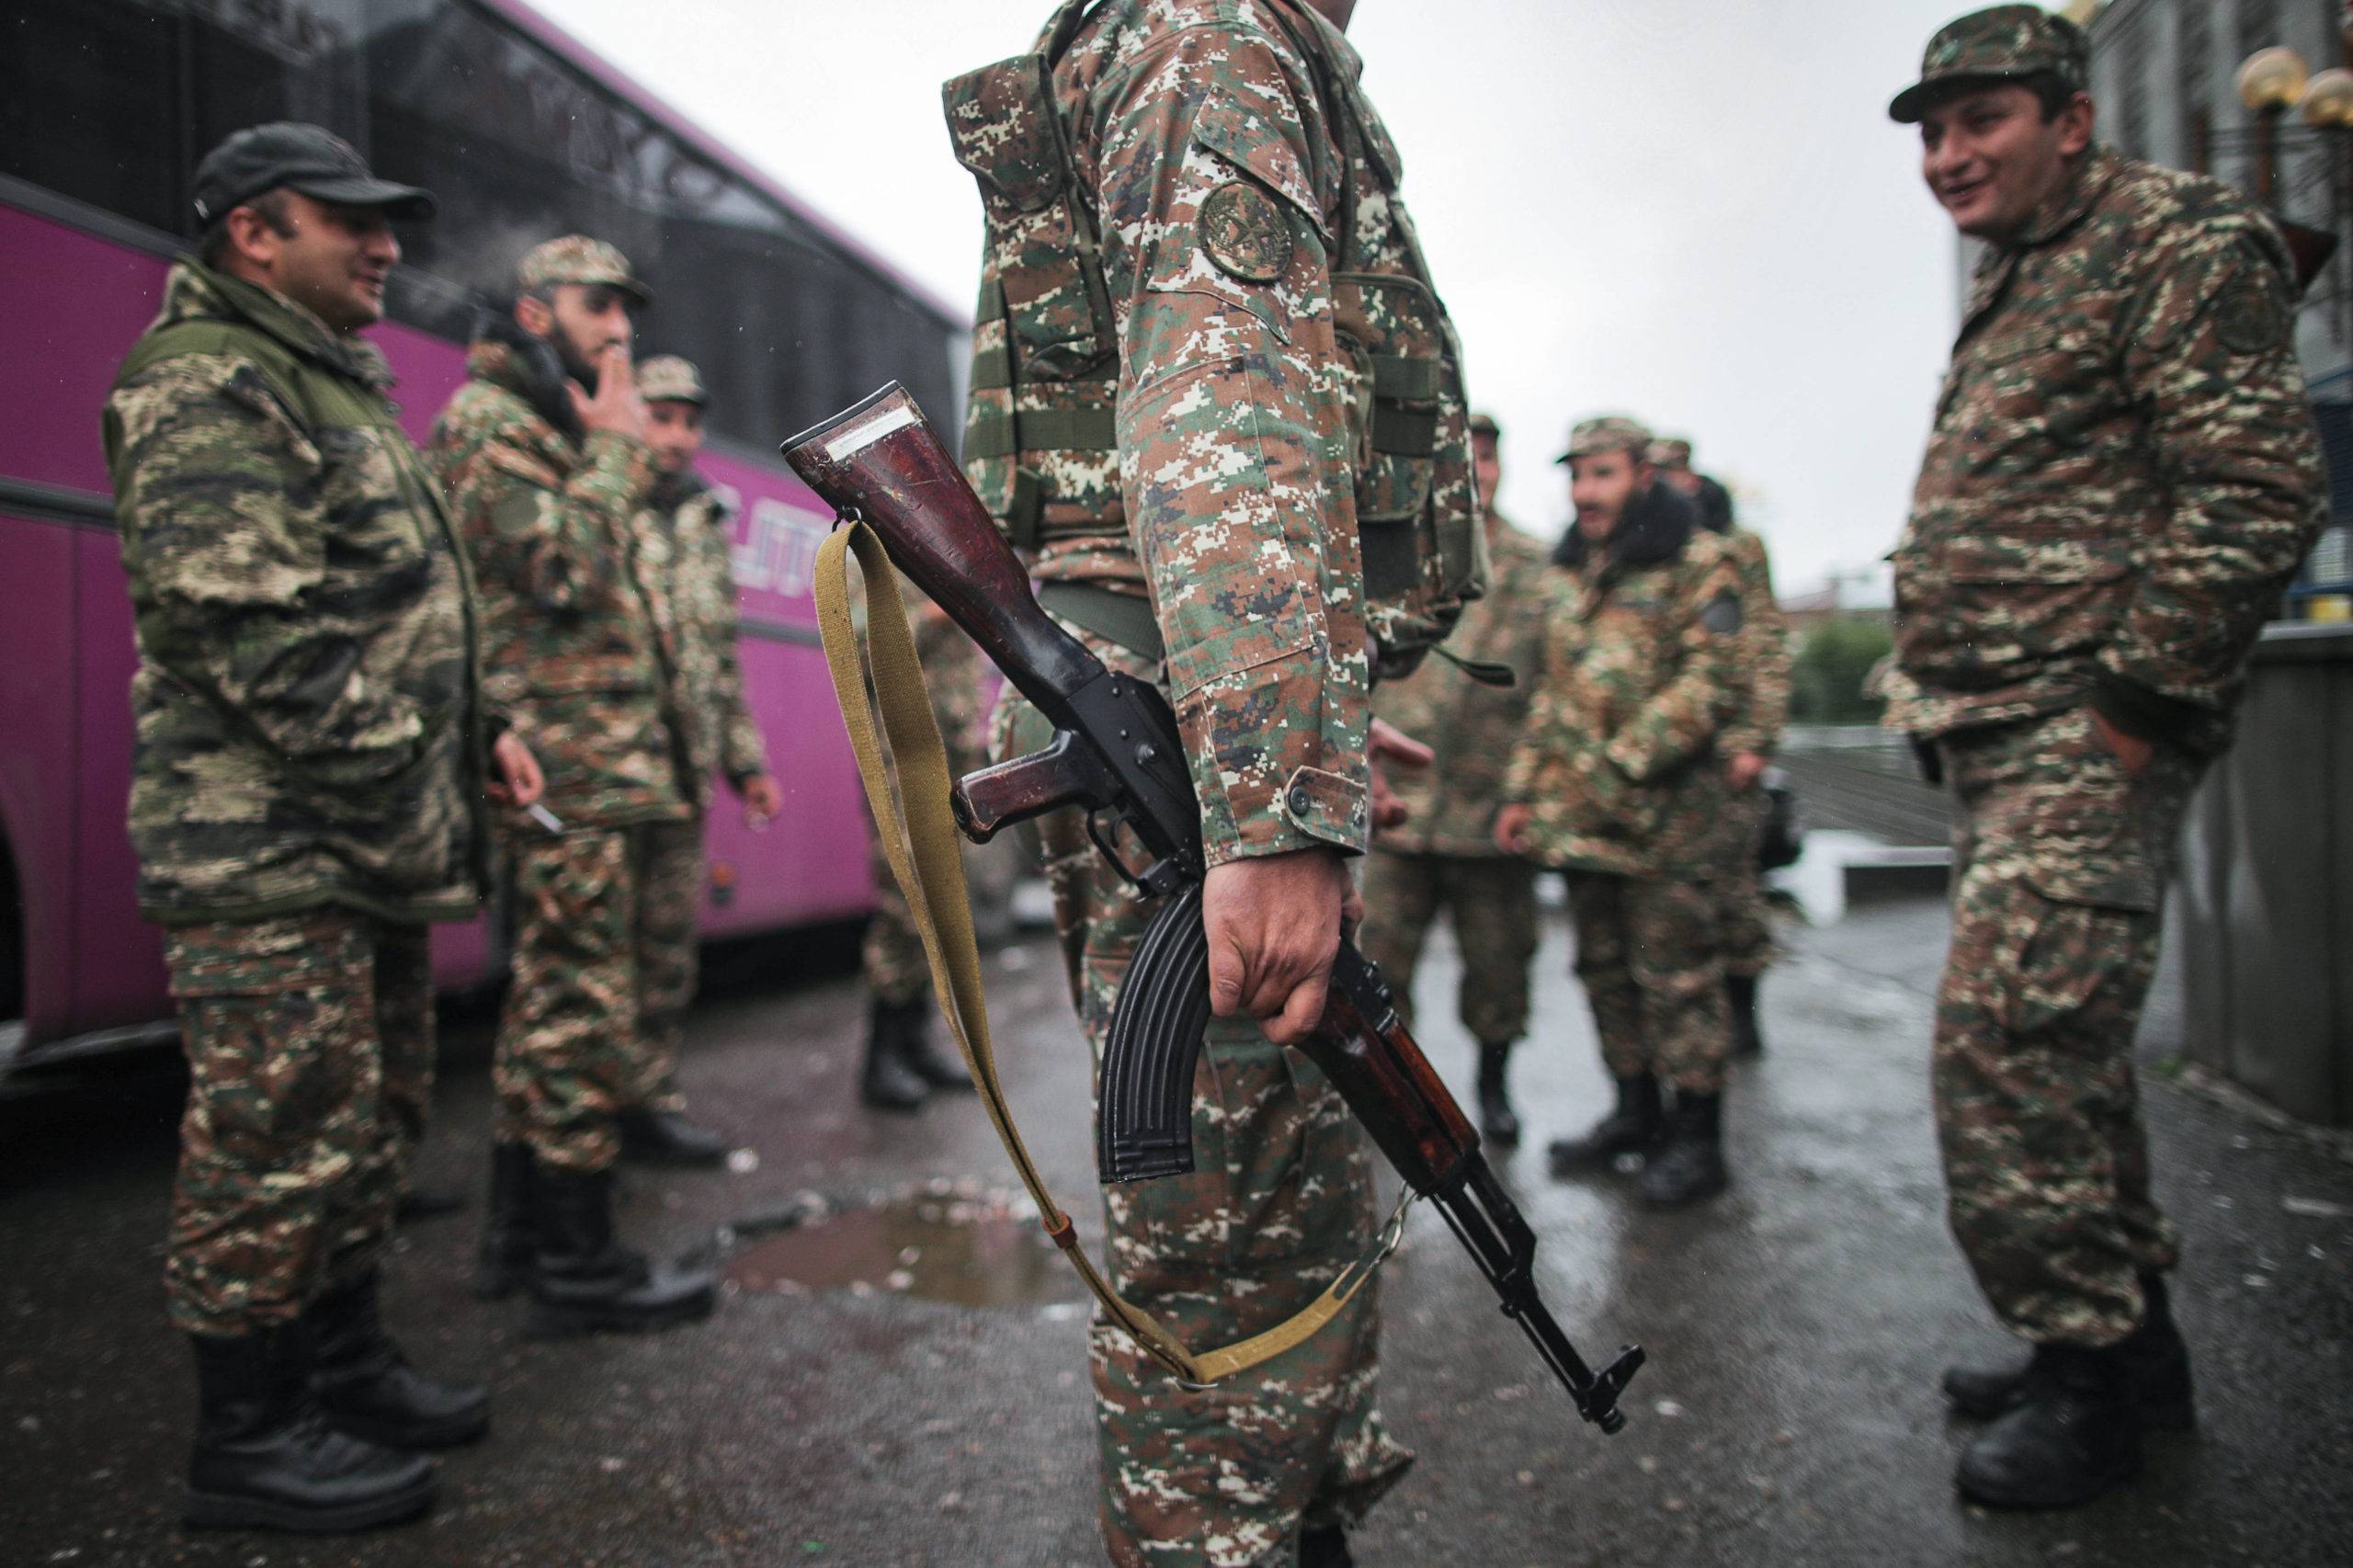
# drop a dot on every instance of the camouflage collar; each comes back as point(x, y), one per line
point(194, 290)
point(514, 362)
point(2073, 202)
point(671, 491)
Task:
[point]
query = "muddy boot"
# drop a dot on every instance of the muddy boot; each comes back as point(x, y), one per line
point(669, 1138)
point(1690, 1164)
point(1499, 1124)
point(366, 1386)
point(1325, 1546)
point(887, 1082)
point(2074, 1438)
point(584, 1280)
point(504, 1265)
point(2156, 1360)
point(1740, 994)
point(1631, 1129)
point(926, 1058)
point(265, 1457)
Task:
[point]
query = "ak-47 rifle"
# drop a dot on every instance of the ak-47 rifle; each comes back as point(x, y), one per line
point(1118, 756)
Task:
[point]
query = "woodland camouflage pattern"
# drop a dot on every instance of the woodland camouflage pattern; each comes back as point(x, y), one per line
point(893, 957)
point(2123, 472)
point(308, 725)
point(1201, 435)
point(1999, 42)
point(1762, 663)
point(1280, 1204)
point(310, 1048)
point(682, 551)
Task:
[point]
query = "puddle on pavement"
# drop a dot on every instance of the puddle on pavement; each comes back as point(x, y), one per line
point(945, 1242)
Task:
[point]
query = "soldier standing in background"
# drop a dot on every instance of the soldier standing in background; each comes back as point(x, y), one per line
point(1443, 856)
point(1747, 743)
point(544, 457)
point(313, 750)
point(2122, 477)
point(1617, 781)
point(685, 565)
point(1171, 423)
point(904, 1062)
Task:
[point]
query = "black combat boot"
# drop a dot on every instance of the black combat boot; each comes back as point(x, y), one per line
point(267, 1458)
point(2157, 1359)
point(2075, 1436)
point(504, 1265)
point(669, 1138)
point(887, 1082)
point(1740, 994)
point(1325, 1546)
point(1690, 1164)
point(1499, 1124)
point(926, 1058)
point(583, 1279)
point(368, 1388)
point(1631, 1129)
point(427, 1203)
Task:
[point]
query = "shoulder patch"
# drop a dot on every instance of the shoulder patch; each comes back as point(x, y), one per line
point(1243, 231)
point(2252, 320)
point(1722, 615)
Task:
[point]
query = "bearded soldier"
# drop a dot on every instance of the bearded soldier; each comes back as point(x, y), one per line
point(306, 796)
point(2122, 477)
point(544, 456)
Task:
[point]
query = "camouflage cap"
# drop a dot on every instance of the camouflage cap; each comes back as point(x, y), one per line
point(1607, 433)
point(576, 258)
point(1671, 451)
point(667, 378)
point(1484, 424)
point(2001, 43)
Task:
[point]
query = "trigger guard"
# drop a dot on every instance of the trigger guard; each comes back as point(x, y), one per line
point(1107, 842)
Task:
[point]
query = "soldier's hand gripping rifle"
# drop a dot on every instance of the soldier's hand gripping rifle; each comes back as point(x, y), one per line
point(1118, 756)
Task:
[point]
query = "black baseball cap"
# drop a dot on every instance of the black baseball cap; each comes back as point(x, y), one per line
point(308, 158)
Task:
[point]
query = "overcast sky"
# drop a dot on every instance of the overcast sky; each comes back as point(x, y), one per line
point(1693, 210)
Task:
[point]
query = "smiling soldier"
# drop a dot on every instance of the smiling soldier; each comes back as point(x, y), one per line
point(2122, 476)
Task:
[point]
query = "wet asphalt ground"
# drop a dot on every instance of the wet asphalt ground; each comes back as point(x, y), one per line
point(837, 1412)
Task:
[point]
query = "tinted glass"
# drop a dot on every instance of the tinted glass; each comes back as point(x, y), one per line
point(88, 90)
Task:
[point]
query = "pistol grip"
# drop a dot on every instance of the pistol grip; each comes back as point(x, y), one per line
point(1063, 774)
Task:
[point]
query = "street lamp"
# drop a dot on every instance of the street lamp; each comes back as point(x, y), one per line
point(2270, 81)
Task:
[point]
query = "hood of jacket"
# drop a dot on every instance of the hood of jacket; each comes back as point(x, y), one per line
point(1658, 523)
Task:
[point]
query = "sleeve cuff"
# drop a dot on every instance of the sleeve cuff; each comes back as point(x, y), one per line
point(2141, 713)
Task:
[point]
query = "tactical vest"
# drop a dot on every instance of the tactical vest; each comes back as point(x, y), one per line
point(1040, 437)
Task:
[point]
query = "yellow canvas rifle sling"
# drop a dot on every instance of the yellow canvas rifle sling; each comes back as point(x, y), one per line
point(927, 855)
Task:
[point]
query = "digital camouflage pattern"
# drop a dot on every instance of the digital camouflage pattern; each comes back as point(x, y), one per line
point(893, 957)
point(2001, 43)
point(576, 258)
point(308, 719)
point(1607, 433)
point(1762, 663)
point(548, 516)
point(1618, 761)
point(571, 1052)
point(2059, 862)
point(2123, 472)
point(1200, 431)
point(310, 1048)
point(1491, 899)
point(1281, 1203)
point(682, 550)
point(1649, 961)
point(1451, 803)
point(669, 956)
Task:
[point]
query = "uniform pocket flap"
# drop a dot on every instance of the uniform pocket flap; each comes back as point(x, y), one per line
point(1257, 142)
point(1001, 122)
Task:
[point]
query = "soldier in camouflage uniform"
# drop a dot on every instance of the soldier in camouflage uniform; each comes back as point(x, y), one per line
point(2122, 477)
point(1443, 856)
point(1190, 487)
point(312, 751)
point(1618, 780)
point(681, 546)
point(544, 457)
point(1747, 743)
point(904, 1062)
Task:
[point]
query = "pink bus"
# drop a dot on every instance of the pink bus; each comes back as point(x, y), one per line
point(105, 106)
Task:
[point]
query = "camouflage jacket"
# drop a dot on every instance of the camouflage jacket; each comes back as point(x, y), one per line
point(1762, 660)
point(683, 557)
point(2123, 472)
point(1229, 490)
point(309, 730)
point(1618, 760)
point(568, 637)
point(1452, 802)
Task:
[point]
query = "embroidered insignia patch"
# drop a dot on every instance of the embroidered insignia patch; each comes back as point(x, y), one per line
point(2251, 322)
point(1244, 233)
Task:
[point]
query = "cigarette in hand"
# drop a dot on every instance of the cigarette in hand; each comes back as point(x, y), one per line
point(546, 818)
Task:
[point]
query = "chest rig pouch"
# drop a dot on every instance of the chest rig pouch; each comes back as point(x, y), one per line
point(1040, 437)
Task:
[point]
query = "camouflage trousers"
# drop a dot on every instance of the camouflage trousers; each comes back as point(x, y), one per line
point(572, 1048)
point(1280, 1204)
point(1648, 956)
point(1492, 901)
point(2059, 862)
point(669, 956)
point(1747, 941)
point(892, 956)
point(310, 1049)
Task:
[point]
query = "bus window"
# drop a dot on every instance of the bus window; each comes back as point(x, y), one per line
point(88, 90)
